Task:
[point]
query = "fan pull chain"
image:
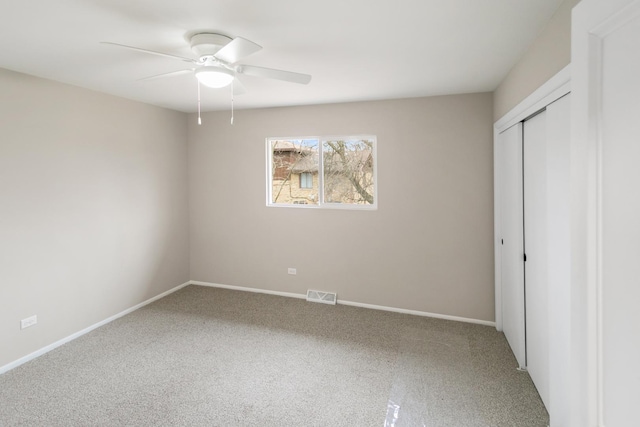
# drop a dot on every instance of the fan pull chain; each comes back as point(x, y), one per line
point(231, 101)
point(199, 118)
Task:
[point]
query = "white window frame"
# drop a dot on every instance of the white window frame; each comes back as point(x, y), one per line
point(321, 203)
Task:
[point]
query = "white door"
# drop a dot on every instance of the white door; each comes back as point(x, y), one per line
point(606, 212)
point(535, 248)
point(512, 254)
point(558, 259)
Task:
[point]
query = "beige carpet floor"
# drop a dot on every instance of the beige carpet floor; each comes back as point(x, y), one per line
point(212, 357)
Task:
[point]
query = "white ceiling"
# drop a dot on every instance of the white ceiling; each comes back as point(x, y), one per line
point(354, 49)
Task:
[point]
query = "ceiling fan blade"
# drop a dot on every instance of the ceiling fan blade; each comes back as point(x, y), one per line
point(237, 49)
point(270, 73)
point(169, 74)
point(238, 87)
point(152, 52)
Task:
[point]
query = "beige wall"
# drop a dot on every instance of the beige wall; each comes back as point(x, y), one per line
point(549, 53)
point(93, 208)
point(94, 213)
point(428, 247)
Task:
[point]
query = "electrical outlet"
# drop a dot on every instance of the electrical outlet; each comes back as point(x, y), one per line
point(29, 321)
point(292, 271)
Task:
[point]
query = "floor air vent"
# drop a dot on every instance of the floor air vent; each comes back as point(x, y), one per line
point(323, 297)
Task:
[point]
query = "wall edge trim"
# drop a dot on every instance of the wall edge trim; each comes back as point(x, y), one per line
point(248, 289)
point(349, 303)
point(33, 355)
point(418, 313)
point(11, 365)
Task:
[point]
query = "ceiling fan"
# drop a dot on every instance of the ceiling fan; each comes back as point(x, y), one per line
point(217, 65)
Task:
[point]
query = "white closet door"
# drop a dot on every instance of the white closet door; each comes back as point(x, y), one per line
point(558, 258)
point(606, 176)
point(535, 244)
point(532, 206)
point(512, 261)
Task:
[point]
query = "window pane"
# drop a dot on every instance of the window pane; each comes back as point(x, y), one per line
point(306, 180)
point(348, 171)
point(291, 160)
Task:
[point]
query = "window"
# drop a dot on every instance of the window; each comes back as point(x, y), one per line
point(306, 180)
point(325, 172)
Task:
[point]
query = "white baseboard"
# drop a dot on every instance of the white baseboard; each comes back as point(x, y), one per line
point(72, 337)
point(245, 289)
point(418, 313)
point(351, 303)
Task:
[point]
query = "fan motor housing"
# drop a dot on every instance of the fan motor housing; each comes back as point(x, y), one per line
point(208, 44)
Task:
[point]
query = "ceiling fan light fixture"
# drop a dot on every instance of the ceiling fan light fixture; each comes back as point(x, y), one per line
point(214, 77)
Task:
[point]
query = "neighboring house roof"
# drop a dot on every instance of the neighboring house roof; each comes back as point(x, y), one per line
point(308, 161)
point(306, 164)
point(290, 146)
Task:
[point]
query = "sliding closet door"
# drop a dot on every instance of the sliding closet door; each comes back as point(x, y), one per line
point(535, 243)
point(532, 208)
point(512, 272)
point(559, 258)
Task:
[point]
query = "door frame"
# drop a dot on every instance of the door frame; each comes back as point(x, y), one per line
point(592, 21)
